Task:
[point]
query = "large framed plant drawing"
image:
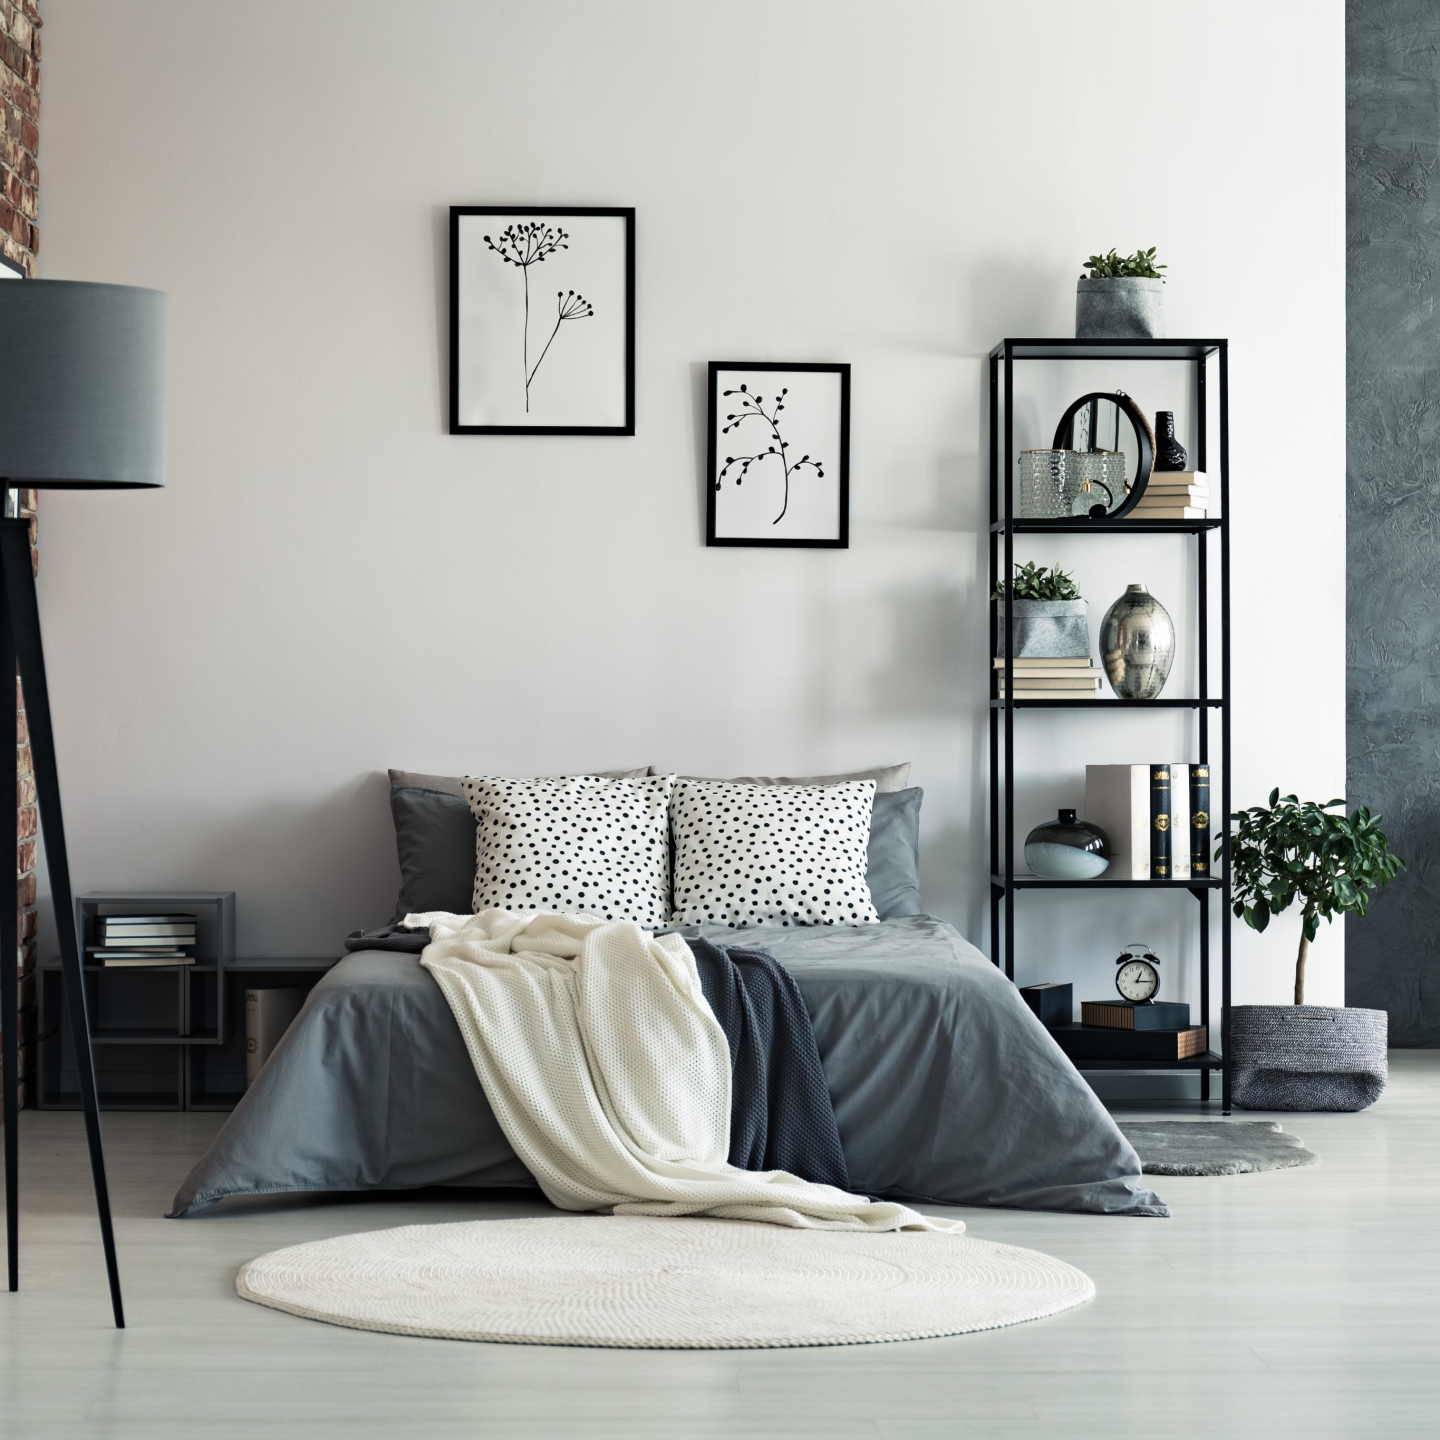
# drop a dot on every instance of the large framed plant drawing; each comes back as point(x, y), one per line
point(779, 455)
point(542, 320)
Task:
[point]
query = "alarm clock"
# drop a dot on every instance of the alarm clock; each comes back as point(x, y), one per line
point(1137, 979)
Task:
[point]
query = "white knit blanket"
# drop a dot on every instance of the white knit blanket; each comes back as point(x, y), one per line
point(610, 1075)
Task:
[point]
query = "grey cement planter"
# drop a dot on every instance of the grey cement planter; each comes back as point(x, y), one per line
point(1306, 1057)
point(1119, 309)
point(1045, 629)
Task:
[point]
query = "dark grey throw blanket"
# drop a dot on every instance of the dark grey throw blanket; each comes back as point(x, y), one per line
point(388, 937)
point(781, 1117)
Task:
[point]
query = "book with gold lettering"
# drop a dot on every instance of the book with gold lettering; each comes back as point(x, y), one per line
point(1160, 822)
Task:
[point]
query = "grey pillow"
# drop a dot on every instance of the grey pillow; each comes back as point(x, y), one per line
point(888, 778)
point(435, 839)
point(892, 869)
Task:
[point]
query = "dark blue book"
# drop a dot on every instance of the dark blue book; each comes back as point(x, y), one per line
point(1160, 822)
point(1199, 820)
point(1052, 1002)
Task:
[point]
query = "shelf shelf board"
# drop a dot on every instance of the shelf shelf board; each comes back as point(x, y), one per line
point(1125, 526)
point(1036, 882)
point(1110, 704)
point(1072, 349)
point(199, 967)
point(283, 962)
point(105, 1035)
point(119, 1100)
point(215, 1100)
point(1208, 1061)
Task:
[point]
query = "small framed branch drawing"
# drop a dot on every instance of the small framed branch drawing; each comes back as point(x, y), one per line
point(542, 320)
point(779, 455)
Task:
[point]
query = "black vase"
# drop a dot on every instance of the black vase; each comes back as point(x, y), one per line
point(1169, 452)
point(1067, 849)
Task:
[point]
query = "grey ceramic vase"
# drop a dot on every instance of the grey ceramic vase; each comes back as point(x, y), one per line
point(1119, 309)
point(1306, 1057)
point(1045, 629)
point(1137, 645)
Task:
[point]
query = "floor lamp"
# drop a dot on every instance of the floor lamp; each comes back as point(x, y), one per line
point(81, 408)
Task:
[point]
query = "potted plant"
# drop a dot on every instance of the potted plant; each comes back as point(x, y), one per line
point(1051, 619)
point(1121, 298)
point(1306, 1057)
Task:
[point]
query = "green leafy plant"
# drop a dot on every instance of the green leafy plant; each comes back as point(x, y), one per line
point(1294, 850)
point(1037, 582)
point(1139, 266)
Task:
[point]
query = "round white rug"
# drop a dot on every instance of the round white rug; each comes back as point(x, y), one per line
point(673, 1284)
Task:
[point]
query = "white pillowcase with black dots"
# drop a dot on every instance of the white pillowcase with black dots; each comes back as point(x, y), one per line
point(579, 844)
point(771, 854)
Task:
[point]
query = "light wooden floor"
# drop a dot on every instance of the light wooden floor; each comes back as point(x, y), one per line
point(1301, 1302)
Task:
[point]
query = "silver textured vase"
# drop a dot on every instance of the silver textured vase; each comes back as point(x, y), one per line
point(1137, 645)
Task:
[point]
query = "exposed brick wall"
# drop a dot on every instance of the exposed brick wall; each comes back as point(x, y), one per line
point(20, 241)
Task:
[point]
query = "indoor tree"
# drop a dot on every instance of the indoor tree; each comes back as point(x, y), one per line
point(1298, 851)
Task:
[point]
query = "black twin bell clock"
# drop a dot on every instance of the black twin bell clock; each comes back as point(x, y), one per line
point(1137, 979)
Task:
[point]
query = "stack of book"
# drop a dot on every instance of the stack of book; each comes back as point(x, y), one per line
point(1156, 817)
point(1053, 679)
point(1119, 1030)
point(1174, 495)
point(138, 940)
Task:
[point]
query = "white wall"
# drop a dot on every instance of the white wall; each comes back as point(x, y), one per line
point(331, 584)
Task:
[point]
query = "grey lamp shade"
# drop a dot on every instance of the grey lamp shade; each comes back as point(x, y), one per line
point(82, 401)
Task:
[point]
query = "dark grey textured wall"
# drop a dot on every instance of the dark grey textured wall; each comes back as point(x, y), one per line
point(1392, 958)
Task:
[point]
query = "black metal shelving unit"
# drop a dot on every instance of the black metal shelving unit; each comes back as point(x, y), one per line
point(1005, 882)
point(165, 1036)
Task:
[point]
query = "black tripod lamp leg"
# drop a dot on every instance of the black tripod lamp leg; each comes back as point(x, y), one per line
point(10, 1019)
point(24, 616)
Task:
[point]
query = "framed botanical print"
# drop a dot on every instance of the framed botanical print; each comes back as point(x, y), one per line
point(778, 455)
point(542, 320)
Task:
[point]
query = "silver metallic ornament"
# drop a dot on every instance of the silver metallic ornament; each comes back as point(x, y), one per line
point(1137, 645)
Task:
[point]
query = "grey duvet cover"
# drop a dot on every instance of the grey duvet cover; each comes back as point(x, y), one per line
point(946, 1088)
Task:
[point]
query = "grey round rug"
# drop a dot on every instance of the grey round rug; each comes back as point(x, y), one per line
point(1214, 1147)
point(675, 1284)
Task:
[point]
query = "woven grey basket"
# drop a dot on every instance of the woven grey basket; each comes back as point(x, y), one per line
point(1306, 1057)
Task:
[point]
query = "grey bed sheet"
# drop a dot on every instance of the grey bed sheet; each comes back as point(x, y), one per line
point(946, 1087)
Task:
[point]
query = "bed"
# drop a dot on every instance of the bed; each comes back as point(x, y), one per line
point(945, 1086)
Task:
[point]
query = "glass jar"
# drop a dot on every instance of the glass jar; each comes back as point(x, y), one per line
point(1099, 479)
point(1047, 482)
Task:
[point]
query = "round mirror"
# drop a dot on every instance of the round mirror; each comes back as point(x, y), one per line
point(1112, 432)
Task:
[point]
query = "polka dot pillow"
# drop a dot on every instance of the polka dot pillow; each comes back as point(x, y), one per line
point(577, 844)
point(771, 854)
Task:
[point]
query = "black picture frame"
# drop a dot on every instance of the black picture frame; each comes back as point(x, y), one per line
point(458, 214)
point(717, 531)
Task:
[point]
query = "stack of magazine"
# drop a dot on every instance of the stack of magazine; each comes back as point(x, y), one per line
point(138, 940)
point(1174, 495)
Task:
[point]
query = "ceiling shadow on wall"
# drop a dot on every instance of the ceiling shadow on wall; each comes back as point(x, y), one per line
point(1016, 297)
point(440, 243)
point(928, 656)
point(305, 875)
point(700, 430)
